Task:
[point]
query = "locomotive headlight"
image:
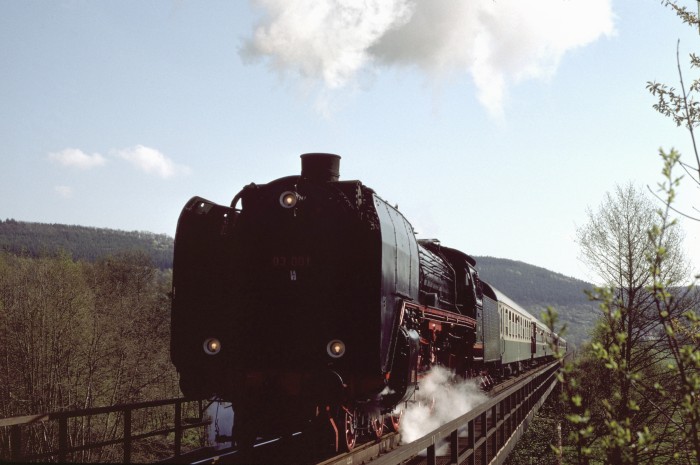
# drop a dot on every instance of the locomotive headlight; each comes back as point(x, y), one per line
point(212, 346)
point(336, 348)
point(288, 199)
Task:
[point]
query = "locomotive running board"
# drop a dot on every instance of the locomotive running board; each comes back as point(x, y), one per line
point(435, 314)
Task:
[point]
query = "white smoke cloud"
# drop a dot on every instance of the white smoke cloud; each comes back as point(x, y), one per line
point(77, 158)
point(324, 39)
point(496, 42)
point(441, 398)
point(151, 161)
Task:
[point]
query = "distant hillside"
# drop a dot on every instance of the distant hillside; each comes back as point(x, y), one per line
point(532, 287)
point(82, 243)
point(536, 288)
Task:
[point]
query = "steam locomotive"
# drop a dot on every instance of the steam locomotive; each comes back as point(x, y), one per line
point(313, 303)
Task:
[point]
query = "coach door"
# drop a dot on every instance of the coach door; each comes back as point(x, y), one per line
point(533, 339)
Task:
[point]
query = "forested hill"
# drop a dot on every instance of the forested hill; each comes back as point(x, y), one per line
point(82, 243)
point(532, 287)
point(535, 288)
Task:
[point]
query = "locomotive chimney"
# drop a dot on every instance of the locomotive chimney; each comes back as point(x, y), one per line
point(320, 167)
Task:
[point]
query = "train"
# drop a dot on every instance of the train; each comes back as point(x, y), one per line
point(313, 304)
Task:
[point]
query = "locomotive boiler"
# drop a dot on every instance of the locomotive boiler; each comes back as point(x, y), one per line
point(309, 301)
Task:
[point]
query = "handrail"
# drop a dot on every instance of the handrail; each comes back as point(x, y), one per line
point(16, 452)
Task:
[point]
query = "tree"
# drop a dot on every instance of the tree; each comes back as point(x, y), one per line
point(677, 312)
point(617, 243)
point(79, 335)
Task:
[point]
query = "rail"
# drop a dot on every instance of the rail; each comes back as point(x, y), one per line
point(14, 449)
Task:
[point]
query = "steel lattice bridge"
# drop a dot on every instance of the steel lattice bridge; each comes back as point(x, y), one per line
point(484, 435)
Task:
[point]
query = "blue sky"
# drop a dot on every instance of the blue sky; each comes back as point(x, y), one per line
point(493, 125)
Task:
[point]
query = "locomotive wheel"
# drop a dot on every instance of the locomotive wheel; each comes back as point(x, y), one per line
point(394, 421)
point(343, 424)
point(377, 426)
point(346, 430)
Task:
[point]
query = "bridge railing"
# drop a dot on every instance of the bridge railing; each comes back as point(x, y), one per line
point(57, 436)
point(486, 434)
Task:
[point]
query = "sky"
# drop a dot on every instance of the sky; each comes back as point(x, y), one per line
point(492, 124)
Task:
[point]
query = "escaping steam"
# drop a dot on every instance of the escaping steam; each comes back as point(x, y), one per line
point(440, 398)
point(496, 42)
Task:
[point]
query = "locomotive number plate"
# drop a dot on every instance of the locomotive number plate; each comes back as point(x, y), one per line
point(295, 261)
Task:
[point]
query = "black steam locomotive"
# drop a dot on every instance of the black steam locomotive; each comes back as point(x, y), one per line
point(314, 303)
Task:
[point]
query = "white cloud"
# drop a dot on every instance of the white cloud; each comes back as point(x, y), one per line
point(77, 158)
point(64, 191)
point(151, 161)
point(327, 39)
point(497, 43)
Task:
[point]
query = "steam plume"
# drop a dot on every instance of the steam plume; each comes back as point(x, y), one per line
point(495, 41)
point(441, 399)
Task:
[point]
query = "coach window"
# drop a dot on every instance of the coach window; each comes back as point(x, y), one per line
point(521, 323)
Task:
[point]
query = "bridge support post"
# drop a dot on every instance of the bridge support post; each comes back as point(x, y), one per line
point(16, 443)
point(62, 439)
point(431, 455)
point(454, 447)
point(494, 434)
point(471, 444)
point(127, 436)
point(178, 429)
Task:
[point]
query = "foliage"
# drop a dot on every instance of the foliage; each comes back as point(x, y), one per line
point(79, 335)
point(678, 314)
point(632, 394)
point(682, 105)
point(538, 443)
